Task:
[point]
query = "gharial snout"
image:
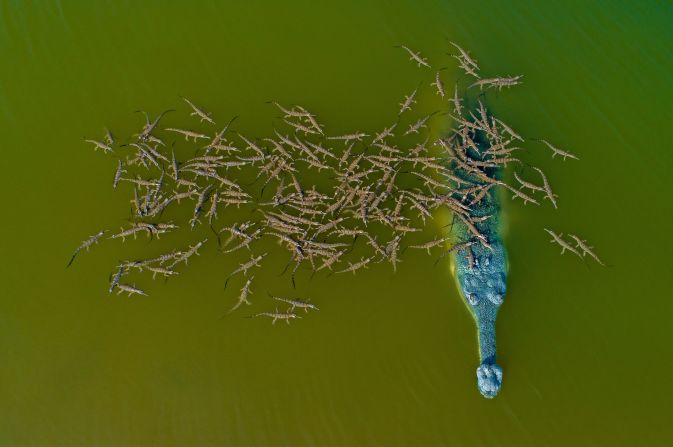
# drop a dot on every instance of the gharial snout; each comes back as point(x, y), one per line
point(489, 379)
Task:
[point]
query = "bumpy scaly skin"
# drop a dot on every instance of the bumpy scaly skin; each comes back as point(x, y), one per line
point(482, 280)
point(483, 287)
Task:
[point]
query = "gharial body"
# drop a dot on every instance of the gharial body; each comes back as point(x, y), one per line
point(480, 270)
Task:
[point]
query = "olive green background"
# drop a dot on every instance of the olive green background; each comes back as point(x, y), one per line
point(390, 358)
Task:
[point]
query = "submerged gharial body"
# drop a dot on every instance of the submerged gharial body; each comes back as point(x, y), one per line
point(480, 271)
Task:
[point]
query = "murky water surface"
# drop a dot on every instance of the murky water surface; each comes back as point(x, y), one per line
point(389, 359)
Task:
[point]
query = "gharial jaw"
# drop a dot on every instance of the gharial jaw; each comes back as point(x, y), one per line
point(481, 277)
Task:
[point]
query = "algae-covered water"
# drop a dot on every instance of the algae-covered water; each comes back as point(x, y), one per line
point(390, 358)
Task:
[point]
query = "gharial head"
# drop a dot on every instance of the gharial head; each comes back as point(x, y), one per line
point(483, 277)
point(483, 287)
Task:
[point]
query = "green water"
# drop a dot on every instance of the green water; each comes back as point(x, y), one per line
point(389, 359)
